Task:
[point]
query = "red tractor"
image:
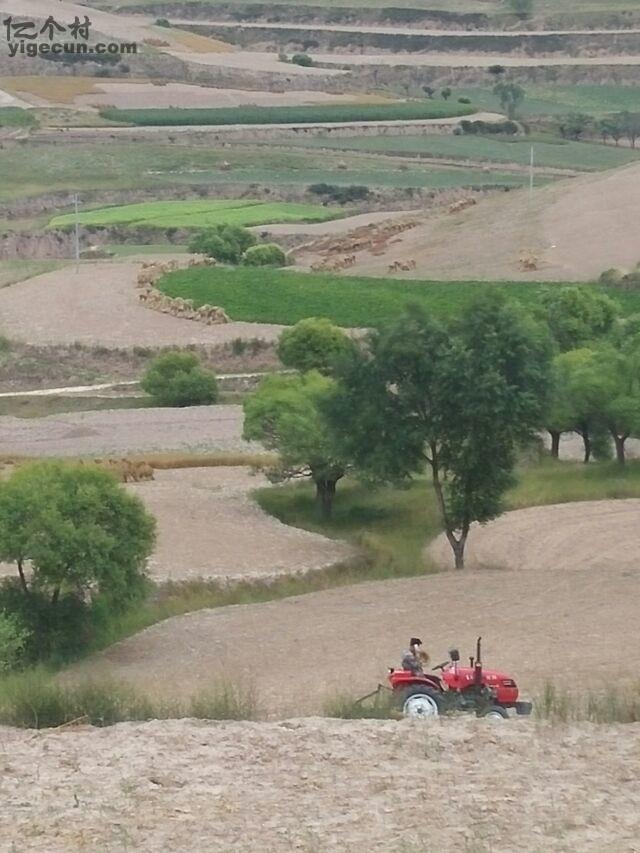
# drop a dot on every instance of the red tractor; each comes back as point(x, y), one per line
point(486, 692)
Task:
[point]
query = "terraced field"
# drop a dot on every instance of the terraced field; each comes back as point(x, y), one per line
point(558, 153)
point(199, 214)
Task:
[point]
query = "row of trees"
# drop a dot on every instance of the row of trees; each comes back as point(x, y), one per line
point(624, 125)
point(456, 398)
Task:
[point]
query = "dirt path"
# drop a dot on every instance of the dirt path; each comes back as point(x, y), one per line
point(335, 226)
point(99, 305)
point(118, 432)
point(210, 527)
point(322, 785)
point(576, 229)
point(539, 623)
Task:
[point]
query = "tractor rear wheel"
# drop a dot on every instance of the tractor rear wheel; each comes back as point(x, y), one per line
point(419, 702)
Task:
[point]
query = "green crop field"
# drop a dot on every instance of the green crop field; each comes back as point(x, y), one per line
point(31, 169)
point(16, 117)
point(199, 214)
point(552, 100)
point(286, 296)
point(321, 113)
point(559, 153)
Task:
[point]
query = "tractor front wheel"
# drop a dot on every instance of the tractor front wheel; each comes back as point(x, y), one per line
point(496, 712)
point(420, 702)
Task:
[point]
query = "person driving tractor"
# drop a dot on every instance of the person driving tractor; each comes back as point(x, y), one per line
point(416, 658)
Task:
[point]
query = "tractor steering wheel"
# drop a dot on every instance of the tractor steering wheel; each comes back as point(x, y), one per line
point(441, 666)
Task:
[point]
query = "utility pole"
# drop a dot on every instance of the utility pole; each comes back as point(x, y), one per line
point(77, 241)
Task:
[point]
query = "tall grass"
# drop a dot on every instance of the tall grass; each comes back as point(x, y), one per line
point(35, 699)
point(614, 705)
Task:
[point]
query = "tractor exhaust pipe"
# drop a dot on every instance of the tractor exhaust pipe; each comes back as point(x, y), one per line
point(477, 670)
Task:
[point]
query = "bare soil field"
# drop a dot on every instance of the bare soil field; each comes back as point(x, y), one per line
point(99, 305)
point(209, 527)
point(125, 95)
point(538, 623)
point(89, 92)
point(119, 432)
point(598, 536)
point(465, 60)
point(322, 785)
point(576, 229)
point(268, 61)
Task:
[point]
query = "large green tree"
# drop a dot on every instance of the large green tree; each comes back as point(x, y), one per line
point(577, 315)
point(455, 398)
point(74, 529)
point(604, 392)
point(313, 344)
point(286, 414)
point(574, 403)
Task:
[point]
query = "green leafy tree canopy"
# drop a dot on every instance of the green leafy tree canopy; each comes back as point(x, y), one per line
point(73, 528)
point(313, 344)
point(286, 414)
point(456, 398)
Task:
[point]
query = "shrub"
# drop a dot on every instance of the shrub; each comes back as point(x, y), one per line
point(13, 639)
point(464, 100)
point(313, 344)
point(53, 633)
point(302, 59)
point(162, 22)
point(484, 127)
point(225, 243)
point(341, 195)
point(611, 277)
point(178, 379)
point(265, 255)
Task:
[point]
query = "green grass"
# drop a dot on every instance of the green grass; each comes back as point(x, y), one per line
point(199, 214)
point(595, 100)
point(11, 272)
point(393, 525)
point(16, 117)
point(30, 170)
point(287, 296)
point(558, 153)
point(321, 113)
point(36, 699)
point(42, 407)
point(614, 705)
